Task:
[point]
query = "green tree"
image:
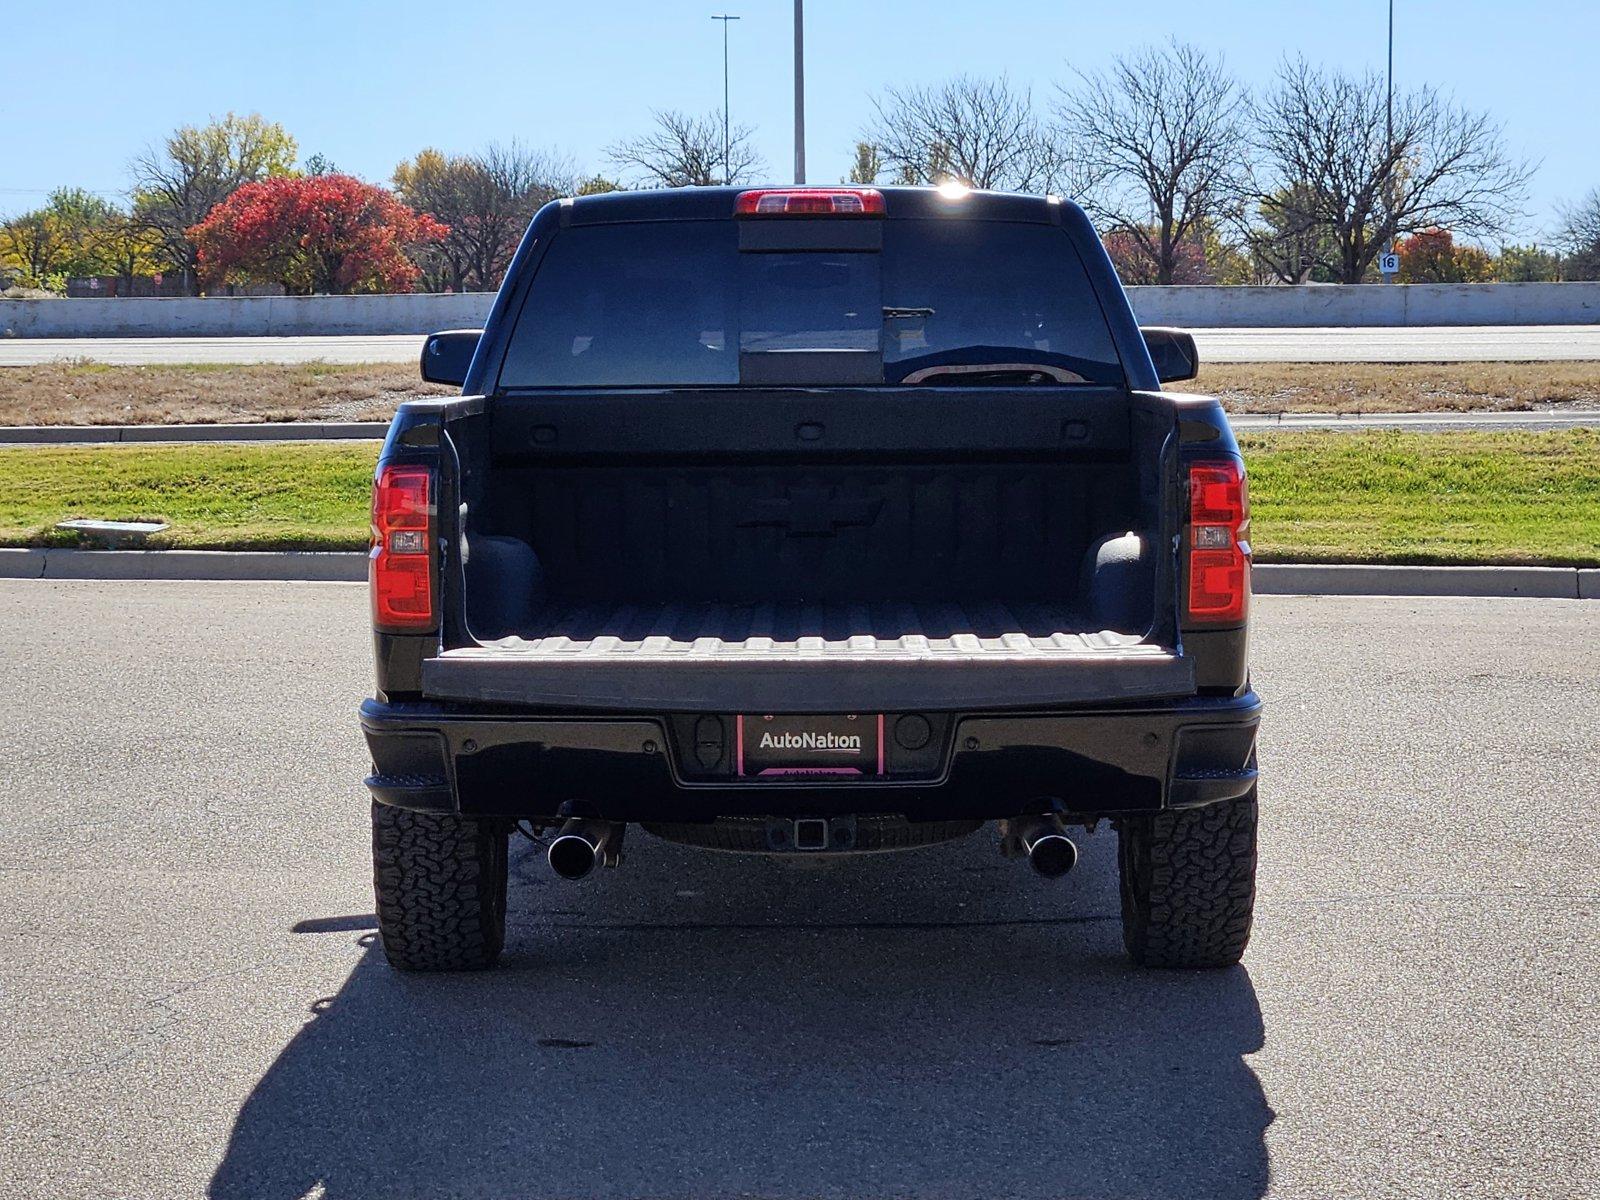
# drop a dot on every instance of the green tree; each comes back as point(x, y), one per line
point(1286, 242)
point(127, 248)
point(868, 164)
point(198, 167)
point(1527, 264)
point(81, 217)
point(33, 249)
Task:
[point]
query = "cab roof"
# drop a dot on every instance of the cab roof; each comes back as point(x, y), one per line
point(710, 203)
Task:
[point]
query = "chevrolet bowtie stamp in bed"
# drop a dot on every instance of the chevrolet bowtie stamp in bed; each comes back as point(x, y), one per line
point(813, 511)
point(814, 521)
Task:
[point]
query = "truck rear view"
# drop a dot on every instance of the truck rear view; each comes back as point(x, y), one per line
point(811, 521)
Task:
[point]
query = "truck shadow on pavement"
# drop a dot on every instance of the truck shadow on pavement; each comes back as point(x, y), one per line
point(939, 1023)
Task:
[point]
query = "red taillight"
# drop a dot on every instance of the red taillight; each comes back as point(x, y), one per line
point(400, 566)
point(800, 202)
point(1219, 545)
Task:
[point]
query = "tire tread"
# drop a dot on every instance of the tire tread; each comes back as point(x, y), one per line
point(1189, 884)
point(440, 884)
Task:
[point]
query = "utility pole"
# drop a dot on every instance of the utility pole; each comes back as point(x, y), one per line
point(799, 91)
point(727, 137)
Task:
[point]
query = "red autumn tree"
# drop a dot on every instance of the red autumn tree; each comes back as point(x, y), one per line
point(1135, 266)
point(316, 233)
point(1432, 256)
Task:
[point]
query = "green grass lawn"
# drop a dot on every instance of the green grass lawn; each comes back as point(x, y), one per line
point(272, 497)
point(1494, 497)
point(1317, 497)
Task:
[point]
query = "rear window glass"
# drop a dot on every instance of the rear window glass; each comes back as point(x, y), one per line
point(676, 303)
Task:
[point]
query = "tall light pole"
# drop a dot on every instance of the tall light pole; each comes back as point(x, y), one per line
point(727, 137)
point(799, 91)
point(1388, 127)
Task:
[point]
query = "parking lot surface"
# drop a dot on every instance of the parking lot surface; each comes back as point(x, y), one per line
point(195, 1004)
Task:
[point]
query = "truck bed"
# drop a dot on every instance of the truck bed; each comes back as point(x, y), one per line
point(692, 553)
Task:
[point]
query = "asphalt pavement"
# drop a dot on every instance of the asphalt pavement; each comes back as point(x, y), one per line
point(1528, 343)
point(195, 1005)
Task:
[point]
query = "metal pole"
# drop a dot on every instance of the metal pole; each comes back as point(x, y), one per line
point(1388, 127)
point(727, 137)
point(799, 91)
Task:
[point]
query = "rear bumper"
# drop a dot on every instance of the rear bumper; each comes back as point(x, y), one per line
point(1091, 762)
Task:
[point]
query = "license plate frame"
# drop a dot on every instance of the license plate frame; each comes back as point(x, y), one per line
point(821, 746)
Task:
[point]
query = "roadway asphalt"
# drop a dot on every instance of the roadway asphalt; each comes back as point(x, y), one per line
point(1423, 344)
point(195, 1006)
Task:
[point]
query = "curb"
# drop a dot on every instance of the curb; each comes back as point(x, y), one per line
point(1269, 579)
point(1363, 579)
point(316, 431)
point(302, 566)
point(266, 431)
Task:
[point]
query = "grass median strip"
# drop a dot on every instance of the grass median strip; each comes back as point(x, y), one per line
point(91, 393)
point(1398, 387)
point(1382, 496)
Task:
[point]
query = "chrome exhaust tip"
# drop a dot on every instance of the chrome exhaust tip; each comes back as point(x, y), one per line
point(583, 844)
point(1051, 854)
point(1049, 851)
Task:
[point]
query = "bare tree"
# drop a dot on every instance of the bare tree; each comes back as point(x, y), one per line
point(1579, 238)
point(980, 132)
point(1327, 160)
point(197, 168)
point(1164, 126)
point(487, 199)
point(685, 151)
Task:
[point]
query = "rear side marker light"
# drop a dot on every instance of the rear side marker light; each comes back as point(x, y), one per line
point(1219, 543)
point(400, 565)
point(803, 202)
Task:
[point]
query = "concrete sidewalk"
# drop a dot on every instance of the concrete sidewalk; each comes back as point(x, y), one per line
point(1314, 579)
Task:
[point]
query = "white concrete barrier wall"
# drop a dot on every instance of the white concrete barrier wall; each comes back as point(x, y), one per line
point(1369, 305)
point(244, 316)
point(1194, 307)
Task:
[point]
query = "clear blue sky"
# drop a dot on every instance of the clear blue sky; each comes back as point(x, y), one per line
point(367, 84)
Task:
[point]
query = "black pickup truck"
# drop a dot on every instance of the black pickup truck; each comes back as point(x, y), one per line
point(811, 521)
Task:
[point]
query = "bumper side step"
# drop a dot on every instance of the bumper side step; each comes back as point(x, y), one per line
point(424, 793)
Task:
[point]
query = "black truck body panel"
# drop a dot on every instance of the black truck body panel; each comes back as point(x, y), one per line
point(624, 574)
point(1099, 761)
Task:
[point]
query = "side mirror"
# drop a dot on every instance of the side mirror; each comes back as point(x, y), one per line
point(446, 356)
point(1173, 352)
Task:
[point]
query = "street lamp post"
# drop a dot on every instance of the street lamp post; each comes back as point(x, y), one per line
point(1388, 131)
point(799, 91)
point(727, 137)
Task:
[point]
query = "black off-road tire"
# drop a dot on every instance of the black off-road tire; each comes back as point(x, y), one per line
point(1189, 884)
point(440, 881)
